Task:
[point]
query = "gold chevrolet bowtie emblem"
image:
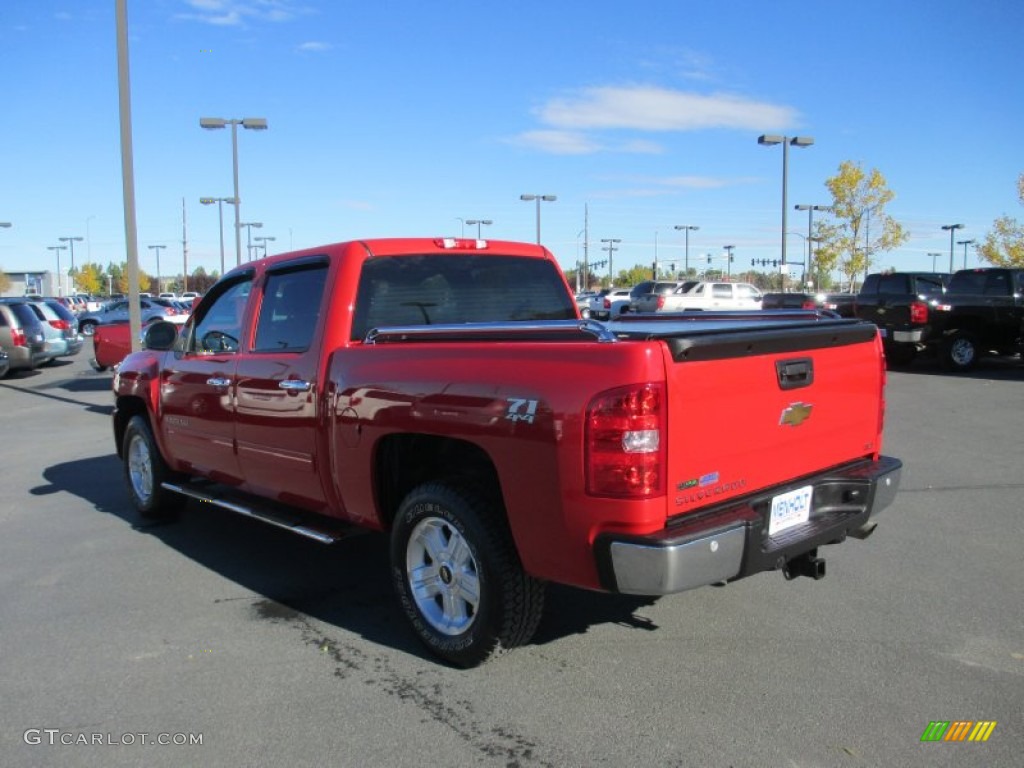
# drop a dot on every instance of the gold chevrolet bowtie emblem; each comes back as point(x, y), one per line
point(796, 414)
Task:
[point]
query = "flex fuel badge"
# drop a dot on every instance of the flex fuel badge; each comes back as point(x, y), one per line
point(705, 488)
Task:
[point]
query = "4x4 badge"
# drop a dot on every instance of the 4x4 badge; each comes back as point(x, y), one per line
point(796, 414)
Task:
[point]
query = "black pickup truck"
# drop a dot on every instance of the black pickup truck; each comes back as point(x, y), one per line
point(902, 305)
point(982, 313)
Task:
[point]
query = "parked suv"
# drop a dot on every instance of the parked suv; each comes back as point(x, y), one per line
point(21, 335)
point(60, 334)
point(649, 296)
point(902, 305)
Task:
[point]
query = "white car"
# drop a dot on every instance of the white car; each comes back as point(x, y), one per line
point(709, 296)
point(612, 304)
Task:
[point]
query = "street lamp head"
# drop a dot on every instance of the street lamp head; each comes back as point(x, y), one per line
point(212, 123)
point(950, 227)
point(256, 224)
point(770, 139)
point(255, 123)
point(207, 200)
point(527, 197)
point(802, 141)
point(5, 224)
point(686, 226)
point(71, 239)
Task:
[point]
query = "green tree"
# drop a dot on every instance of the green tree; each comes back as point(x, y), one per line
point(859, 226)
point(1004, 245)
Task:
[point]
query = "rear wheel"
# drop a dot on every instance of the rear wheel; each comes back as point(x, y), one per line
point(145, 471)
point(960, 351)
point(458, 576)
point(88, 327)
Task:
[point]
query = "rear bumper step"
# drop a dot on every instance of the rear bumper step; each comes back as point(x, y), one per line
point(731, 541)
point(304, 524)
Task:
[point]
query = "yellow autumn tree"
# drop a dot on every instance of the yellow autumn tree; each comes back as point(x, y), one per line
point(858, 227)
point(1004, 245)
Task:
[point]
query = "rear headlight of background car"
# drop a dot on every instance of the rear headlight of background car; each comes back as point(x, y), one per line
point(625, 442)
point(60, 325)
point(18, 337)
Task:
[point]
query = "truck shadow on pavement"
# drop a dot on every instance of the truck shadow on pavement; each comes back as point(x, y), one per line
point(346, 585)
point(986, 369)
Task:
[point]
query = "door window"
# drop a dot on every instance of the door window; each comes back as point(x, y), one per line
point(219, 329)
point(290, 310)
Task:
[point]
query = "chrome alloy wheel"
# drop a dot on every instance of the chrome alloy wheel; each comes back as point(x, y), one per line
point(962, 352)
point(443, 576)
point(140, 468)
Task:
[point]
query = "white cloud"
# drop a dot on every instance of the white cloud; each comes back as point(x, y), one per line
point(313, 46)
point(651, 108)
point(233, 13)
point(558, 142)
point(579, 123)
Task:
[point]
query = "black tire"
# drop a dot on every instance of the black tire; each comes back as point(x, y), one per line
point(458, 576)
point(87, 328)
point(145, 471)
point(960, 352)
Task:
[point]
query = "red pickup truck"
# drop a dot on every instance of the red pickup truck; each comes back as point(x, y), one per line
point(446, 391)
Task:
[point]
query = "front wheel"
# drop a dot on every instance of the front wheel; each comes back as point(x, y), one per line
point(88, 328)
point(960, 352)
point(145, 471)
point(458, 577)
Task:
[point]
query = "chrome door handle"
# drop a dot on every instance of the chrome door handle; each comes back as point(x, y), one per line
point(218, 382)
point(295, 385)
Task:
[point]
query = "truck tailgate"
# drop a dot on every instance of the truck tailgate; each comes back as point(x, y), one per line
point(752, 409)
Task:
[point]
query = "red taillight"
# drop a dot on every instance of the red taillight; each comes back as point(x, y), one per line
point(18, 337)
point(625, 442)
point(60, 325)
point(661, 302)
point(808, 304)
point(607, 303)
point(918, 312)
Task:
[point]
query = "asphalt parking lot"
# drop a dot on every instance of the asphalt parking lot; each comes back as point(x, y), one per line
point(271, 650)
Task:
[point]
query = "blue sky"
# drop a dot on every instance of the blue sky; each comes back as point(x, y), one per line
point(403, 118)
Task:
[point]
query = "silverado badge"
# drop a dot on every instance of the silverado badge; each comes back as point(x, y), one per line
point(795, 414)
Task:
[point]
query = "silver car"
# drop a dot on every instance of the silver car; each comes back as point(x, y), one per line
point(60, 334)
point(117, 312)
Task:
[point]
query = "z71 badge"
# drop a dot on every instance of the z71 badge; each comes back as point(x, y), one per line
point(520, 409)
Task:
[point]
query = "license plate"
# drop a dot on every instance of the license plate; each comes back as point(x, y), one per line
point(790, 509)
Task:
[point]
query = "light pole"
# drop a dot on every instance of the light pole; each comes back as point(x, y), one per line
point(58, 249)
point(686, 228)
point(539, 198)
point(478, 222)
point(159, 282)
point(809, 268)
point(71, 244)
point(261, 242)
point(965, 243)
point(951, 228)
point(220, 211)
point(728, 261)
point(934, 257)
point(248, 236)
point(611, 249)
point(251, 123)
point(769, 140)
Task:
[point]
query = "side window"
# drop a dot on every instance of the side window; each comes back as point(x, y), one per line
point(721, 291)
point(220, 328)
point(745, 291)
point(870, 285)
point(290, 309)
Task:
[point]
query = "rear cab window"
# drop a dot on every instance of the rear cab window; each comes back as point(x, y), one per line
point(433, 289)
